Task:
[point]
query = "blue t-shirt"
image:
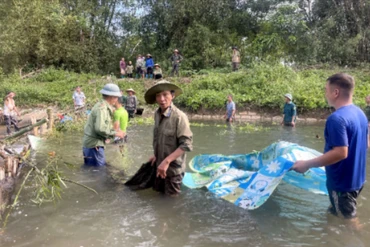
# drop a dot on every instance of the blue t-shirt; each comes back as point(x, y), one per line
point(229, 108)
point(347, 126)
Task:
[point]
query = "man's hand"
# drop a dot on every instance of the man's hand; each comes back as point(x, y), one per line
point(107, 141)
point(152, 159)
point(300, 166)
point(162, 169)
point(293, 124)
point(230, 119)
point(120, 133)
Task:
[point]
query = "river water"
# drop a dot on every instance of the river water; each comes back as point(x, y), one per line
point(120, 217)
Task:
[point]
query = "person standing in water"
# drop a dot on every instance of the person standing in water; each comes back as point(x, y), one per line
point(344, 158)
point(230, 109)
point(289, 112)
point(99, 127)
point(172, 138)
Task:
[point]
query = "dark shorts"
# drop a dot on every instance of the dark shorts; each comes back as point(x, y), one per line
point(343, 203)
point(94, 156)
point(170, 185)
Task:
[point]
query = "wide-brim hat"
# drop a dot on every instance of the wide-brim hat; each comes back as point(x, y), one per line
point(111, 89)
point(175, 50)
point(289, 96)
point(163, 85)
point(130, 90)
point(148, 55)
point(157, 65)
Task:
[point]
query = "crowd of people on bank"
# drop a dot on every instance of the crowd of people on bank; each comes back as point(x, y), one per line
point(146, 68)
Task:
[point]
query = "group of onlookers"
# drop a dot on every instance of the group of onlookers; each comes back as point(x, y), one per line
point(146, 68)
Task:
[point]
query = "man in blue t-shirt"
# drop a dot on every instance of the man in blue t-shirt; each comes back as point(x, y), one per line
point(230, 109)
point(344, 156)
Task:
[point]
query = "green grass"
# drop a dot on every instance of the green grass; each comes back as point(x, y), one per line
point(262, 85)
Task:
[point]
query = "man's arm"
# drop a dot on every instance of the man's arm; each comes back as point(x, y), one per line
point(333, 156)
point(162, 168)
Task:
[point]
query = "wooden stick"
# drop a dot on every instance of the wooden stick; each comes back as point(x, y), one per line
point(50, 117)
point(25, 130)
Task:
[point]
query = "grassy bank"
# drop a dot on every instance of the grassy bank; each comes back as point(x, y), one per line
point(261, 86)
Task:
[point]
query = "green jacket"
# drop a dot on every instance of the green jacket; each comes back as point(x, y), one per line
point(99, 126)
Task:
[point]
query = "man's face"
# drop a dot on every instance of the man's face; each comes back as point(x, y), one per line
point(331, 94)
point(229, 98)
point(78, 89)
point(164, 99)
point(287, 100)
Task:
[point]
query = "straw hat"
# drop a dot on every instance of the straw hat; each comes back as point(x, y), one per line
point(160, 86)
point(130, 90)
point(148, 55)
point(175, 50)
point(157, 65)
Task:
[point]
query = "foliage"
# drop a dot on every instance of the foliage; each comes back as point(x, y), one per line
point(261, 85)
point(49, 181)
point(92, 36)
point(55, 87)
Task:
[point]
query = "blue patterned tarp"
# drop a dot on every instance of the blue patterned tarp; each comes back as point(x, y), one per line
point(248, 180)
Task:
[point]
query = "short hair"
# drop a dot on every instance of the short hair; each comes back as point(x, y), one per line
point(343, 81)
point(230, 95)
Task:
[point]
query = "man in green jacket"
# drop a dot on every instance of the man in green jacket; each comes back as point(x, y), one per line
point(99, 126)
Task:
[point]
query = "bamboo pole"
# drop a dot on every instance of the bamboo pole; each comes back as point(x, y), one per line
point(2, 173)
point(51, 118)
point(34, 129)
point(25, 130)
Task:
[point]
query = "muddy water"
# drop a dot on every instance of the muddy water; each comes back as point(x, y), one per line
point(120, 217)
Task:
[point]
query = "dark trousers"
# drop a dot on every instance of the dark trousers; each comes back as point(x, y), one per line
point(94, 156)
point(9, 121)
point(131, 113)
point(175, 69)
point(129, 75)
point(235, 66)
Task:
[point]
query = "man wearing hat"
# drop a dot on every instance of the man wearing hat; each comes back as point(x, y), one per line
point(99, 126)
point(176, 59)
point(172, 137)
point(157, 71)
point(235, 58)
point(290, 111)
point(149, 63)
point(131, 102)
